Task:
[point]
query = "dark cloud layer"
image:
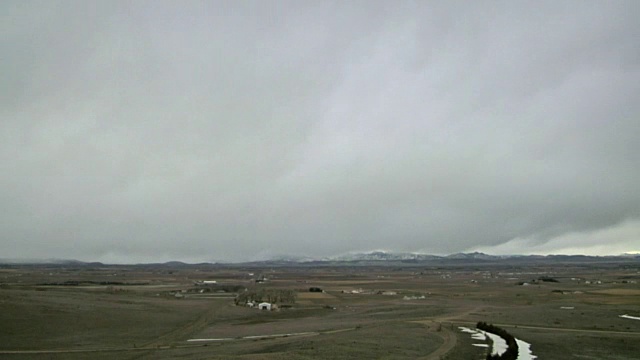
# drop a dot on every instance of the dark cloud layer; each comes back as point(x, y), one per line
point(236, 130)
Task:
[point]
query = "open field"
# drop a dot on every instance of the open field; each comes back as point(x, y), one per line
point(372, 312)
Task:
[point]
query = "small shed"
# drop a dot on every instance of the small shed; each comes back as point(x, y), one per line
point(264, 306)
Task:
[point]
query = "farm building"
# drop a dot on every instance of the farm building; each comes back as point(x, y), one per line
point(205, 282)
point(264, 306)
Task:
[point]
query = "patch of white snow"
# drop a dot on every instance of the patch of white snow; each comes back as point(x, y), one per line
point(467, 330)
point(499, 344)
point(630, 317)
point(220, 339)
point(478, 336)
point(524, 350)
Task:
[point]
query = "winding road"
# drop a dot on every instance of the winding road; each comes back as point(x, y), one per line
point(442, 325)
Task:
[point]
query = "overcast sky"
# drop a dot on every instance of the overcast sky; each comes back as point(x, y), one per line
point(135, 131)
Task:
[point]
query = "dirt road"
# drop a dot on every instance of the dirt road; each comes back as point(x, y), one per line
point(449, 340)
point(441, 325)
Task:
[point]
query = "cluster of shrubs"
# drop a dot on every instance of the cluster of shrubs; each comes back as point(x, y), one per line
point(512, 347)
point(88, 282)
point(274, 296)
point(228, 288)
point(216, 289)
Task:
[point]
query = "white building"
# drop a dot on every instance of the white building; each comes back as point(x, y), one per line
point(264, 306)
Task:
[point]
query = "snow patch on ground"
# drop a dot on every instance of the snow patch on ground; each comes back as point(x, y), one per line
point(257, 336)
point(524, 350)
point(481, 345)
point(220, 339)
point(478, 336)
point(467, 330)
point(499, 344)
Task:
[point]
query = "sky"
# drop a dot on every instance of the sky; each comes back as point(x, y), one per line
point(143, 131)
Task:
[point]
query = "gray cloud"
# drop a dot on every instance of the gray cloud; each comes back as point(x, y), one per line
point(238, 130)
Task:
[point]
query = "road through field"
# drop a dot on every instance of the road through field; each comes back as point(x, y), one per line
point(533, 327)
point(156, 345)
point(450, 338)
point(586, 331)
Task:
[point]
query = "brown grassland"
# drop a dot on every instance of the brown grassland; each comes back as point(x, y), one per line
point(365, 312)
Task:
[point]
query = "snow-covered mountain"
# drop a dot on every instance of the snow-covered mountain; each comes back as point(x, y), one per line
point(474, 256)
point(383, 255)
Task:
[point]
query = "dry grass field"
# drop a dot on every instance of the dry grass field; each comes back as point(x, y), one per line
point(373, 312)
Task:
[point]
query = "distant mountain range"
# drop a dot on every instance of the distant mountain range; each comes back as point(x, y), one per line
point(384, 256)
point(365, 258)
point(474, 257)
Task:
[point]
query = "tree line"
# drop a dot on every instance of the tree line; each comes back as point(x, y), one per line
point(274, 296)
point(512, 346)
